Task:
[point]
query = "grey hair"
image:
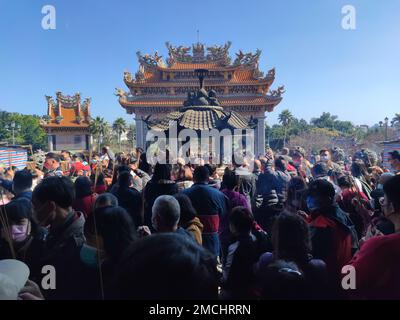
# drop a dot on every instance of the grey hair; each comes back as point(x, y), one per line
point(168, 209)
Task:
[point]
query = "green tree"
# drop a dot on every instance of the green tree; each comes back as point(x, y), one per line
point(100, 129)
point(396, 120)
point(285, 118)
point(326, 120)
point(298, 127)
point(120, 127)
point(28, 130)
point(344, 127)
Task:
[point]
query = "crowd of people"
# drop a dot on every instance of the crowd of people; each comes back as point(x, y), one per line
point(279, 226)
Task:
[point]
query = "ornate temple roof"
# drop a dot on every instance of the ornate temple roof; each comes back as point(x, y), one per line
point(201, 111)
point(67, 112)
point(163, 82)
point(176, 102)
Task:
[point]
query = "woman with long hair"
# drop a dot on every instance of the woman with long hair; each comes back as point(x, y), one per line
point(291, 242)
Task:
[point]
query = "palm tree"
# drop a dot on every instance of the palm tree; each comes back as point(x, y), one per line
point(396, 119)
point(285, 118)
point(120, 127)
point(99, 128)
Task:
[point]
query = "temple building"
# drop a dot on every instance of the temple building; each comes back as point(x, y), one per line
point(67, 123)
point(160, 87)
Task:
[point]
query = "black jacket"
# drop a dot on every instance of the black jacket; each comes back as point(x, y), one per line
point(131, 200)
point(60, 250)
point(152, 191)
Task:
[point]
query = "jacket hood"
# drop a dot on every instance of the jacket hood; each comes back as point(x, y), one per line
point(74, 229)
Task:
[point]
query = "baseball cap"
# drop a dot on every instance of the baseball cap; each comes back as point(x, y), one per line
point(13, 276)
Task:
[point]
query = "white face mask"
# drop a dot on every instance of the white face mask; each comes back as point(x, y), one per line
point(18, 232)
point(324, 158)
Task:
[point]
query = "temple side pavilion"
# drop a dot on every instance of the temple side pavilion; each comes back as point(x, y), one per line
point(67, 123)
point(159, 87)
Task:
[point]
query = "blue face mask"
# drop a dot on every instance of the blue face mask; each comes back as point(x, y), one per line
point(311, 203)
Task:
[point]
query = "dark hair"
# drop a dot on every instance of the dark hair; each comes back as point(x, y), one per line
point(345, 182)
point(58, 189)
point(229, 179)
point(125, 179)
point(83, 187)
point(106, 198)
point(143, 164)
point(100, 179)
point(188, 212)
point(123, 168)
point(115, 226)
point(54, 156)
point(359, 170)
point(242, 219)
point(201, 174)
point(321, 188)
point(17, 210)
point(321, 169)
point(280, 164)
point(324, 150)
point(161, 172)
point(167, 266)
point(283, 280)
point(291, 238)
point(211, 168)
point(395, 154)
point(392, 191)
point(22, 180)
point(296, 189)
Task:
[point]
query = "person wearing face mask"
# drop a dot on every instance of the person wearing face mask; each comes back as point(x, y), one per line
point(325, 157)
point(333, 235)
point(378, 261)
point(52, 166)
point(378, 193)
point(109, 231)
point(21, 229)
point(52, 205)
point(301, 164)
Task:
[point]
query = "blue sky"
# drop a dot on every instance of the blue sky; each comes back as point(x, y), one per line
point(353, 74)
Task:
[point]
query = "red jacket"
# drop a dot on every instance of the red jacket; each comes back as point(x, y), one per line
point(85, 204)
point(377, 266)
point(333, 239)
point(102, 188)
